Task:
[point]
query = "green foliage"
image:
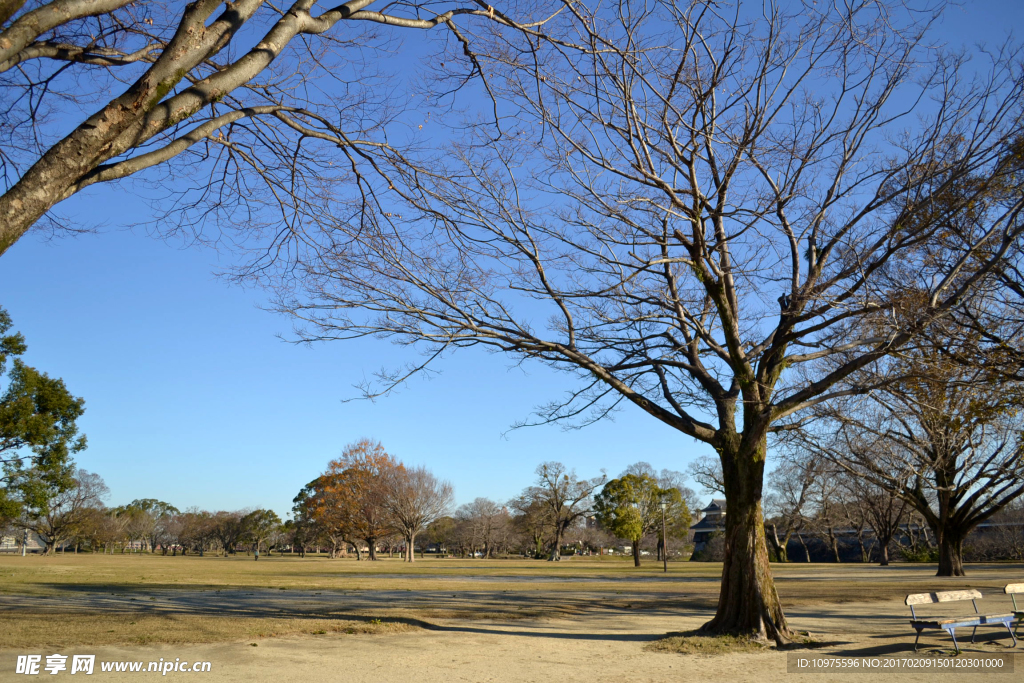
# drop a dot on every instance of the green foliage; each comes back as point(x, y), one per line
point(38, 430)
point(920, 554)
point(259, 525)
point(630, 507)
point(154, 507)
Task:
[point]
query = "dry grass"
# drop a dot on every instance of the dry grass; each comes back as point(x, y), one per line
point(22, 631)
point(44, 575)
point(691, 644)
point(797, 582)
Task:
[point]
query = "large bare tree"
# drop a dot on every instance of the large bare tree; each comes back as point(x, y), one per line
point(944, 438)
point(557, 500)
point(413, 499)
point(486, 521)
point(255, 101)
point(689, 206)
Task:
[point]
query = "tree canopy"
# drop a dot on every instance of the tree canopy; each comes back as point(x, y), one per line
point(630, 507)
point(38, 428)
point(261, 103)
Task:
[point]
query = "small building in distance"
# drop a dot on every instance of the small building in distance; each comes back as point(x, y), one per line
point(11, 540)
point(712, 521)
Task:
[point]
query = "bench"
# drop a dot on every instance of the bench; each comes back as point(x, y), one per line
point(1018, 613)
point(951, 624)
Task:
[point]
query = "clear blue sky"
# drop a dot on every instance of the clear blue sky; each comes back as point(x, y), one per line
point(193, 399)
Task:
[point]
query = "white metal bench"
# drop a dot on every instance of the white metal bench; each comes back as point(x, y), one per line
point(1018, 613)
point(951, 624)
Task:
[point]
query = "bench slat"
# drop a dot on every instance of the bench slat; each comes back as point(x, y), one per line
point(942, 596)
point(971, 620)
point(1014, 588)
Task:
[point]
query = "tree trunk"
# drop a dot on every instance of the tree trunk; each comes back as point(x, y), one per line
point(777, 546)
point(372, 544)
point(865, 553)
point(834, 542)
point(557, 548)
point(748, 603)
point(883, 553)
point(951, 553)
point(410, 548)
point(803, 544)
point(636, 553)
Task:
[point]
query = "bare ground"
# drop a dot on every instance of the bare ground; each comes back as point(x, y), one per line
point(507, 628)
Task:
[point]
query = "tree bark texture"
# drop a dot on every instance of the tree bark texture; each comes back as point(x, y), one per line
point(951, 553)
point(748, 603)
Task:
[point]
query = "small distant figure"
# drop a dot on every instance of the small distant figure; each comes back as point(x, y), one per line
point(256, 554)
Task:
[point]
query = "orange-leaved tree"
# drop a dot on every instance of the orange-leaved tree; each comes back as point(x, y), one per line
point(356, 482)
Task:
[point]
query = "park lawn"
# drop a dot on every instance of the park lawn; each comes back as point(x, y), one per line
point(64, 600)
point(144, 573)
point(45, 575)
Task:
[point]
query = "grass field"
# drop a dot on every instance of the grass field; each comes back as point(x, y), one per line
point(65, 600)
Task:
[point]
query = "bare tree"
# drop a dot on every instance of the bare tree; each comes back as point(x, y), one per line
point(786, 501)
point(558, 499)
point(707, 472)
point(826, 502)
point(134, 525)
point(487, 521)
point(945, 438)
point(61, 515)
point(530, 521)
point(883, 509)
point(256, 99)
point(689, 204)
point(229, 529)
point(413, 498)
point(195, 530)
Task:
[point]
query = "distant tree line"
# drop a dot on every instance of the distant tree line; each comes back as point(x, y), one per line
point(75, 518)
point(367, 499)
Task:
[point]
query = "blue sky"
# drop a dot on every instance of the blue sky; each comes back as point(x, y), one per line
point(192, 398)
